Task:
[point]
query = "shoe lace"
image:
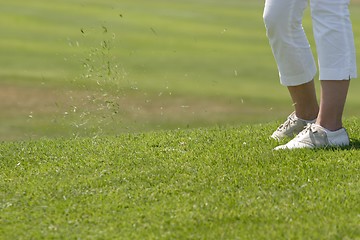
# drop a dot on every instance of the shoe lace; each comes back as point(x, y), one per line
point(287, 123)
point(307, 128)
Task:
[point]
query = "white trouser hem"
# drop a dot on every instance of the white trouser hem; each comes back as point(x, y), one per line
point(336, 74)
point(306, 77)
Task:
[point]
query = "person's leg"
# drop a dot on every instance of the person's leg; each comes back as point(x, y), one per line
point(288, 41)
point(333, 97)
point(337, 63)
point(296, 65)
point(304, 99)
point(306, 111)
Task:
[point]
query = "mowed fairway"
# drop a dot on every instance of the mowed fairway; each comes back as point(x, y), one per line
point(212, 183)
point(83, 86)
point(88, 68)
point(206, 183)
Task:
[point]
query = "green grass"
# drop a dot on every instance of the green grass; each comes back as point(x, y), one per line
point(75, 75)
point(162, 55)
point(207, 183)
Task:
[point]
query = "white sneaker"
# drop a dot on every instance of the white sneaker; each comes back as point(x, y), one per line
point(315, 136)
point(291, 127)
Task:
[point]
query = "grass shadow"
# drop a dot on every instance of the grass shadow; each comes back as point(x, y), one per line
point(354, 144)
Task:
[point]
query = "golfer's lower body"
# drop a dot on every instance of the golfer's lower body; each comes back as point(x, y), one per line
point(313, 125)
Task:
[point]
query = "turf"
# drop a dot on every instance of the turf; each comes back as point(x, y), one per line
point(207, 183)
point(93, 67)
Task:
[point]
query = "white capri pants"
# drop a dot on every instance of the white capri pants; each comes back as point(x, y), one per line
point(333, 36)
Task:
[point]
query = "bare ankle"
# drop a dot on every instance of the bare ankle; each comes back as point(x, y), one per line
point(330, 125)
point(307, 115)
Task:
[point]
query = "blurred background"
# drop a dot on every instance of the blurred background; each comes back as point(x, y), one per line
point(75, 68)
